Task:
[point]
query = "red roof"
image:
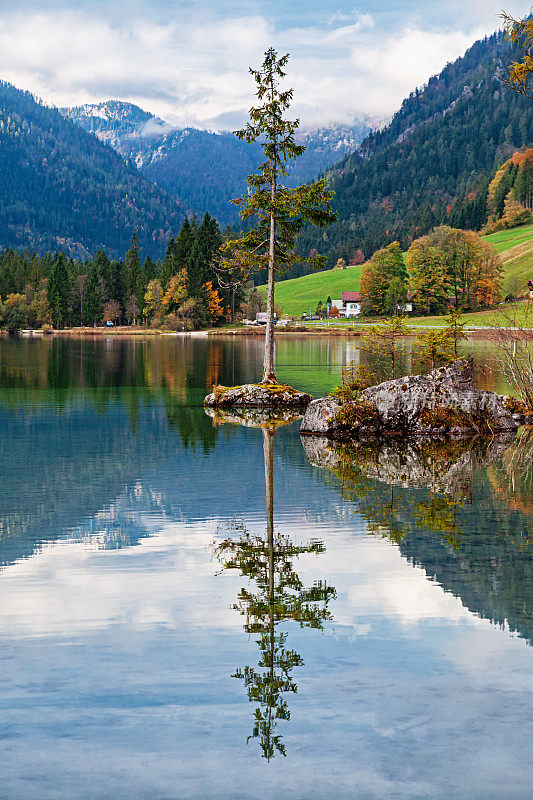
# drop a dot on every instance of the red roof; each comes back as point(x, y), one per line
point(351, 297)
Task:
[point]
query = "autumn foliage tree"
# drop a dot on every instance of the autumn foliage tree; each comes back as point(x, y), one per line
point(454, 265)
point(384, 281)
point(520, 32)
point(430, 282)
point(214, 303)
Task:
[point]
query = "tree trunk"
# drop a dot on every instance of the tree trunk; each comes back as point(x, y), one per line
point(268, 453)
point(268, 448)
point(268, 363)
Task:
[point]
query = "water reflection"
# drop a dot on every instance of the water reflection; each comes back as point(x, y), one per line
point(279, 596)
point(441, 503)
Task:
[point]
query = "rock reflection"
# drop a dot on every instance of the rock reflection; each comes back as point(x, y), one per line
point(279, 596)
point(445, 469)
point(461, 510)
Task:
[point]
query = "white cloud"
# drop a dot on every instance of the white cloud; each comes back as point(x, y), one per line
point(196, 70)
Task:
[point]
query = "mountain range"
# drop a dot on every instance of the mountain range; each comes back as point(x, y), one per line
point(61, 188)
point(205, 170)
point(434, 162)
point(86, 178)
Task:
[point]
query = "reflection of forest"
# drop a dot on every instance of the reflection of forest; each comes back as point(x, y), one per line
point(436, 501)
point(55, 373)
point(279, 597)
point(182, 367)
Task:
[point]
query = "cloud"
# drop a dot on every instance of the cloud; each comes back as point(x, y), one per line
point(195, 71)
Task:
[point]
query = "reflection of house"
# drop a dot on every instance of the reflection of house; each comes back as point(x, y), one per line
point(349, 304)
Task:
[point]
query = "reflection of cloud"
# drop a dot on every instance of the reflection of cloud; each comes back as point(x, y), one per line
point(195, 71)
point(70, 587)
point(421, 712)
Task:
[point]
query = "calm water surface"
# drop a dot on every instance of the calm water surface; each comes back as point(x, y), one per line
point(198, 609)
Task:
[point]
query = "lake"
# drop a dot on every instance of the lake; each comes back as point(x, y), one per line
point(192, 608)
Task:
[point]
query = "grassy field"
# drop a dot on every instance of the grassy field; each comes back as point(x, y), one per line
point(522, 314)
point(299, 295)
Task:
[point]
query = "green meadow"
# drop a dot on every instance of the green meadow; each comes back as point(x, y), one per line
point(301, 295)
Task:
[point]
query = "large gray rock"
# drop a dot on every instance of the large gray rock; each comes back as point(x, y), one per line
point(257, 395)
point(445, 403)
point(320, 416)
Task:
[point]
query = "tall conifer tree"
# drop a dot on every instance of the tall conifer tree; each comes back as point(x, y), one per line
point(59, 291)
point(93, 305)
point(133, 272)
point(281, 212)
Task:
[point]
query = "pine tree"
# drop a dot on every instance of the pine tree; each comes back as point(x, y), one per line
point(93, 305)
point(201, 256)
point(59, 291)
point(103, 266)
point(281, 213)
point(184, 243)
point(133, 272)
point(170, 264)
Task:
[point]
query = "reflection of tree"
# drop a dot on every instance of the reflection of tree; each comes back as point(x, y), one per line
point(59, 372)
point(513, 478)
point(279, 596)
point(438, 513)
point(439, 474)
point(461, 510)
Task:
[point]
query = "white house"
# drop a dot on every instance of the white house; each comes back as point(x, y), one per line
point(407, 307)
point(349, 304)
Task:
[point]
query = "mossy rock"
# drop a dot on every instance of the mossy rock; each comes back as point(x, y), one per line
point(257, 395)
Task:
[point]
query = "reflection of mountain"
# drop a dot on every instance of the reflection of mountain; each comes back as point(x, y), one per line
point(99, 433)
point(434, 502)
point(59, 470)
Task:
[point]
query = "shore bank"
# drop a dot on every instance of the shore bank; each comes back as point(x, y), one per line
point(346, 332)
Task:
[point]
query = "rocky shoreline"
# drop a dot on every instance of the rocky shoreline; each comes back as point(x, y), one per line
point(443, 403)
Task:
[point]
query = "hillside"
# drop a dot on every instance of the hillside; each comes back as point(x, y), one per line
point(433, 163)
point(516, 249)
point(204, 169)
point(298, 295)
point(62, 188)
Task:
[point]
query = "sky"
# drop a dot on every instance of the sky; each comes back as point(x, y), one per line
point(187, 62)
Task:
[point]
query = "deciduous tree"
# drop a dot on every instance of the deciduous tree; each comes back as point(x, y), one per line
point(520, 32)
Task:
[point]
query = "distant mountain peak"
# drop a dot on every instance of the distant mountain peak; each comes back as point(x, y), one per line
point(203, 168)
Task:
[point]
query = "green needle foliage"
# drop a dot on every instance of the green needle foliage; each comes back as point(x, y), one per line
point(435, 348)
point(280, 212)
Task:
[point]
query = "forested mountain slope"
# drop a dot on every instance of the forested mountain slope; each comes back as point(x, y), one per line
point(433, 163)
point(62, 188)
point(204, 169)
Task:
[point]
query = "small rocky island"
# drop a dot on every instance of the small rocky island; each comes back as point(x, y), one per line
point(445, 402)
point(257, 395)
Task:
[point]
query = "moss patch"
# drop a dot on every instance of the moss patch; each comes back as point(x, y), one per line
point(441, 418)
point(358, 415)
point(515, 406)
